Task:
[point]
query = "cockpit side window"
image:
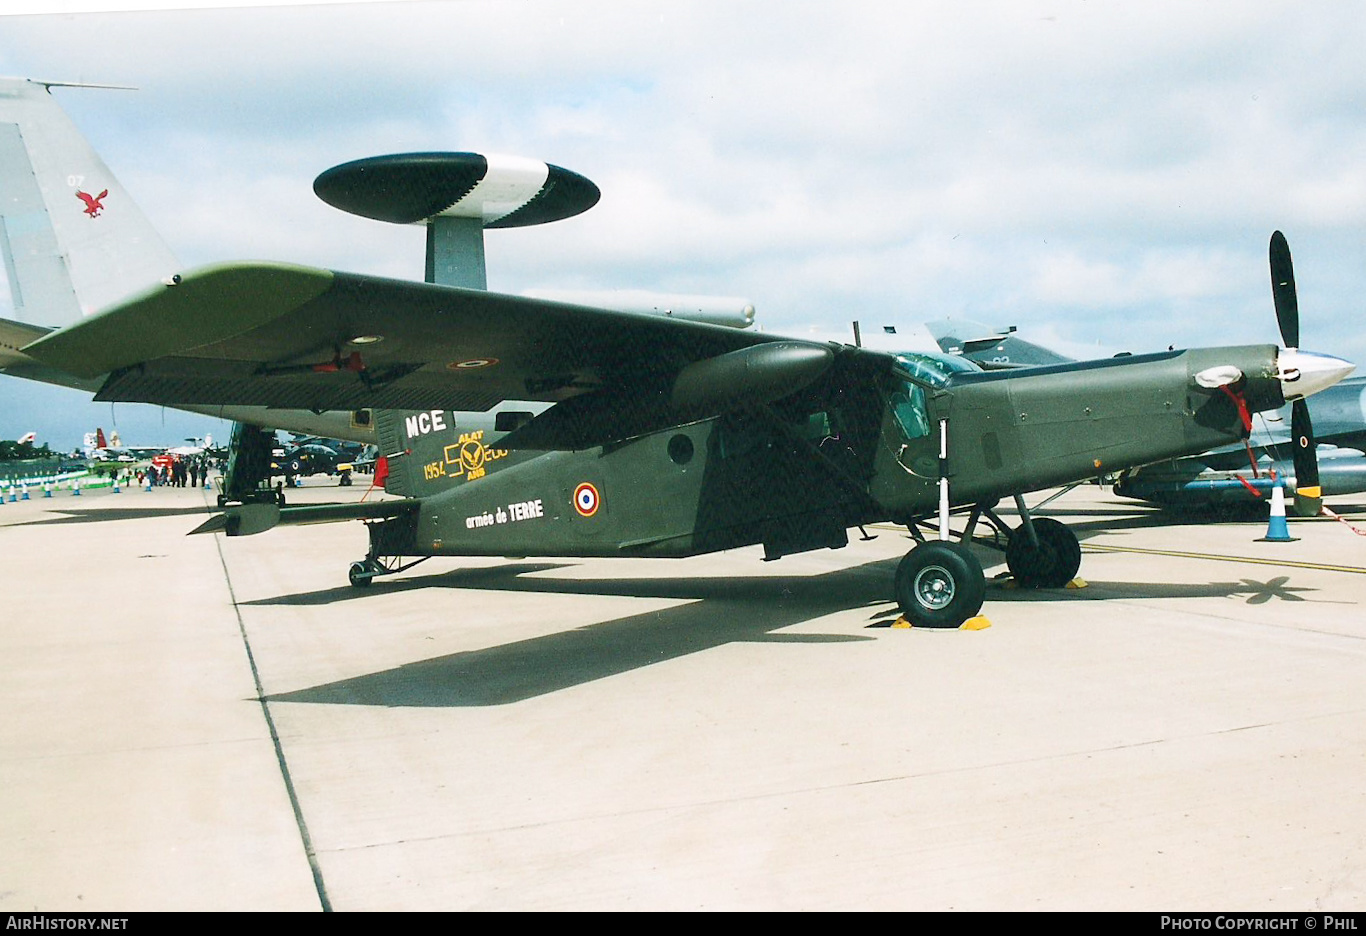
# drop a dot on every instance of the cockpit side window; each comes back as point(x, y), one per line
point(907, 401)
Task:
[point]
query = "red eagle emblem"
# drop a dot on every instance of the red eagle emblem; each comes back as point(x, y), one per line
point(93, 203)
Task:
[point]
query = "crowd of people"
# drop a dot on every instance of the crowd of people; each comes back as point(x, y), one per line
point(175, 471)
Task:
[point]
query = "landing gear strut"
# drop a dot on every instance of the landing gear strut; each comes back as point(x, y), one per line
point(390, 541)
point(248, 477)
point(1042, 553)
point(940, 582)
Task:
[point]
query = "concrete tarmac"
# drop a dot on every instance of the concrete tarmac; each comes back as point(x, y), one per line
point(212, 723)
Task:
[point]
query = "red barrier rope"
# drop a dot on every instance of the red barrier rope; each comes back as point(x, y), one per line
point(1356, 530)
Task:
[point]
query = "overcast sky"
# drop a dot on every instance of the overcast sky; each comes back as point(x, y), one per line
point(1104, 176)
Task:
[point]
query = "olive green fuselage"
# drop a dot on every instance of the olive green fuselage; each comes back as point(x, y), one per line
point(862, 445)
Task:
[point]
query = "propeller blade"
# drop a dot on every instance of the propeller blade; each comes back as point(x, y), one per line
point(1283, 291)
point(1308, 494)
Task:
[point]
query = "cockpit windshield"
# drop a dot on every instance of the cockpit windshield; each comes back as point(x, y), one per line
point(933, 369)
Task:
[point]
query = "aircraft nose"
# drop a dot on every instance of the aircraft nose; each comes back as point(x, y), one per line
point(1304, 373)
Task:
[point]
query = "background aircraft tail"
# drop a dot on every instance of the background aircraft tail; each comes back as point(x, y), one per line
point(72, 239)
point(991, 348)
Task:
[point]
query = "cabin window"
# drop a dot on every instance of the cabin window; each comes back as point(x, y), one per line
point(511, 420)
point(680, 449)
point(908, 407)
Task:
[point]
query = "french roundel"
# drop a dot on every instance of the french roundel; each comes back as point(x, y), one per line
point(586, 499)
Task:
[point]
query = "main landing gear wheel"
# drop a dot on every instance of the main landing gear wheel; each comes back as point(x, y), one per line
point(1053, 564)
point(940, 584)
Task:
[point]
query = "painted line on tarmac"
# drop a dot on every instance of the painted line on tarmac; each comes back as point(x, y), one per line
point(1251, 560)
point(309, 851)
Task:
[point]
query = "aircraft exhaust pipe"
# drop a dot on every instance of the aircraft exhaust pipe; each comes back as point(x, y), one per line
point(758, 374)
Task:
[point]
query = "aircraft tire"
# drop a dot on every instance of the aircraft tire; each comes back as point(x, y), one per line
point(939, 585)
point(359, 575)
point(1053, 564)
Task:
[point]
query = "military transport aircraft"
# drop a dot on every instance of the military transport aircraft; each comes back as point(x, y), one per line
point(642, 434)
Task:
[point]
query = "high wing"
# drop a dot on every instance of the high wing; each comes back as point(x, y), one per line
point(277, 335)
point(16, 335)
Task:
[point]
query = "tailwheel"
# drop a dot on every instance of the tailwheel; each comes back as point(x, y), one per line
point(360, 574)
point(939, 584)
point(1052, 564)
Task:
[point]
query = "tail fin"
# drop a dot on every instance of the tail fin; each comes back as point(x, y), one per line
point(72, 239)
point(99, 438)
point(409, 457)
point(426, 452)
point(991, 348)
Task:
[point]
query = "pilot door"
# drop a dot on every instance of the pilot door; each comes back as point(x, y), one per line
point(906, 468)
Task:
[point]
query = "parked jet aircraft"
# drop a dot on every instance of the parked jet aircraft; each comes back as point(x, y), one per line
point(644, 434)
point(991, 348)
point(1206, 483)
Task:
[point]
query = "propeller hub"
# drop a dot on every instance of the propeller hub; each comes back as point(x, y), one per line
point(1304, 373)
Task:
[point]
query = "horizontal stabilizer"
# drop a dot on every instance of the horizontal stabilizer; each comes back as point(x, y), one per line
point(247, 519)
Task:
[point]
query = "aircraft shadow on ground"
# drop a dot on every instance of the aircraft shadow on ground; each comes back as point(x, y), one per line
point(104, 514)
point(719, 612)
point(1252, 592)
